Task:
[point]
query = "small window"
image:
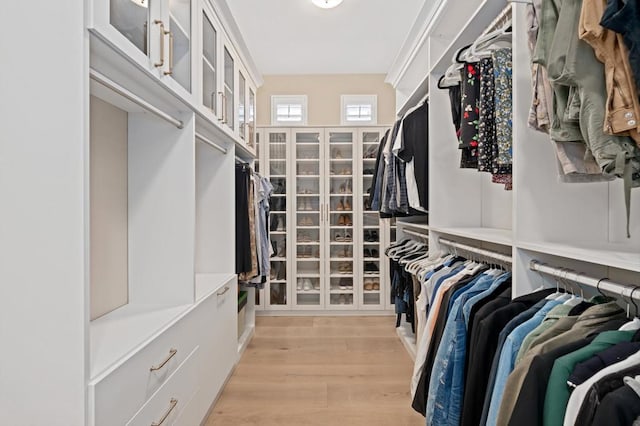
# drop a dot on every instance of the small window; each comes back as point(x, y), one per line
point(359, 109)
point(289, 110)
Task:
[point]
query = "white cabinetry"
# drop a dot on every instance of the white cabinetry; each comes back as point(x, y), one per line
point(129, 132)
point(327, 244)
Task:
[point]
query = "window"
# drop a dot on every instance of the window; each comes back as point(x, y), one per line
point(359, 109)
point(289, 110)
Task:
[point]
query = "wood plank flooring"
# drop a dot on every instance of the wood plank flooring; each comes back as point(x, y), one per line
point(346, 371)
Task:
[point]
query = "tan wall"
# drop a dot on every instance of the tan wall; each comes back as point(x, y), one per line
point(323, 95)
point(109, 208)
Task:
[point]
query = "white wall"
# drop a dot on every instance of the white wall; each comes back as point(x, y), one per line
point(43, 213)
point(109, 208)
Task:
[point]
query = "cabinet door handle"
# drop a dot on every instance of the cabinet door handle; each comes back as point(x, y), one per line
point(223, 97)
point(172, 404)
point(171, 42)
point(162, 34)
point(223, 292)
point(213, 100)
point(172, 353)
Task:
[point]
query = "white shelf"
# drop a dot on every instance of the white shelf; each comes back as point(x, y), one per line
point(307, 160)
point(339, 275)
point(278, 259)
point(119, 334)
point(421, 226)
point(371, 291)
point(490, 235)
point(307, 275)
point(332, 291)
point(308, 292)
point(307, 176)
point(308, 227)
point(341, 259)
point(341, 211)
point(307, 259)
point(308, 243)
point(612, 255)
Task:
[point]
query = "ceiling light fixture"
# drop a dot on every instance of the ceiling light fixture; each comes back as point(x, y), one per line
point(326, 4)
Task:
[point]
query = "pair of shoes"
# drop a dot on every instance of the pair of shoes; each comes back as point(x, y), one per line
point(304, 284)
point(345, 268)
point(346, 238)
point(368, 171)
point(336, 153)
point(371, 236)
point(304, 205)
point(346, 253)
point(344, 205)
point(345, 284)
point(304, 237)
point(307, 221)
point(371, 253)
point(371, 285)
point(371, 267)
point(278, 250)
point(344, 220)
point(278, 271)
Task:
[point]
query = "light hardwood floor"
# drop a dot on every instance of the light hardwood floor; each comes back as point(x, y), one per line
point(320, 371)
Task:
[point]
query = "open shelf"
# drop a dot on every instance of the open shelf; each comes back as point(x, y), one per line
point(490, 235)
point(613, 255)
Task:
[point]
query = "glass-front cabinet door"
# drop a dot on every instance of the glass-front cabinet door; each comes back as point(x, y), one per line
point(228, 89)
point(251, 119)
point(339, 211)
point(209, 62)
point(242, 93)
point(179, 43)
point(370, 277)
point(277, 145)
point(132, 18)
point(309, 216)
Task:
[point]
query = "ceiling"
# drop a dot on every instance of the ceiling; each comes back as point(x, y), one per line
point(296, 37)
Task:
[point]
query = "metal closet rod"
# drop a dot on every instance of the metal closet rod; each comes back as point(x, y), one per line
point(499, 21)
point(482, 252)
point(106, 82)
point(211, 143)
point(603, 284)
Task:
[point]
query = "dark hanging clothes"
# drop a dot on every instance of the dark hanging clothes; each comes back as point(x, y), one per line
point(470, 105)
point(415, 137)
point(243, 235)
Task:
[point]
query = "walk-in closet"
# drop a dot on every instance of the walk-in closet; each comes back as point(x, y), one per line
point(320, 212)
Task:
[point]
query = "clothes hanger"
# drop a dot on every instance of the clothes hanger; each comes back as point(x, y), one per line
point(485, 46)
point(634, 324)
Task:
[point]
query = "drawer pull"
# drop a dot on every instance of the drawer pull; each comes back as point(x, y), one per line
point(172, 353)
point(172, 405)
point(222, 293)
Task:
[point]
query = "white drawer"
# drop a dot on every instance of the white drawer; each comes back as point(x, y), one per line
point(171, 399)
point(120, 395)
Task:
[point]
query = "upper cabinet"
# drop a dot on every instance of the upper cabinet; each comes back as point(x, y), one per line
point(194, 48)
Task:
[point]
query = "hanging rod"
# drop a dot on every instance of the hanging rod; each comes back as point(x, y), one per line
point(105, 81)
point(499, 21)
point(211, 143)
point(415, 234)
point(503, 258)
point(578, 277)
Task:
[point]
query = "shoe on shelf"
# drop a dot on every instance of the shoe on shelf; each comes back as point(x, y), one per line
point(374, 236)
point(367, 253)
point(299, 284)
point(348, 221)
point(376, 285)
point(367, 235)
point(347, 205)
point(371, 267)
point(342, 189)
point(368, 285)
point(340, 206)
point(316, 285)
point(307, 286)
point(282, 251)
point(342, 299)
point(281, 226)
point(338, 237)
point(307, 206)
point(375, 253)
point(347, 237)
point(341, 220)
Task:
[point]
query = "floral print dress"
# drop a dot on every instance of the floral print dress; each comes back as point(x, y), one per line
point(469, 135)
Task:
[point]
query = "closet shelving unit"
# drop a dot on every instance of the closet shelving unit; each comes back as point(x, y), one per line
point(144, 302)
point(576, 226)
point(331, 263)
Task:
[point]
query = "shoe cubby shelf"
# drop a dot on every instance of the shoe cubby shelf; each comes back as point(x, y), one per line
point(324, 225)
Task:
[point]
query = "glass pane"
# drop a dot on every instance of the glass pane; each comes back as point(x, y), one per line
point(241, 104)
point(210, 36)
point(228, 88)
point(180, 27)
point(208, 86)
point(131, 18)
